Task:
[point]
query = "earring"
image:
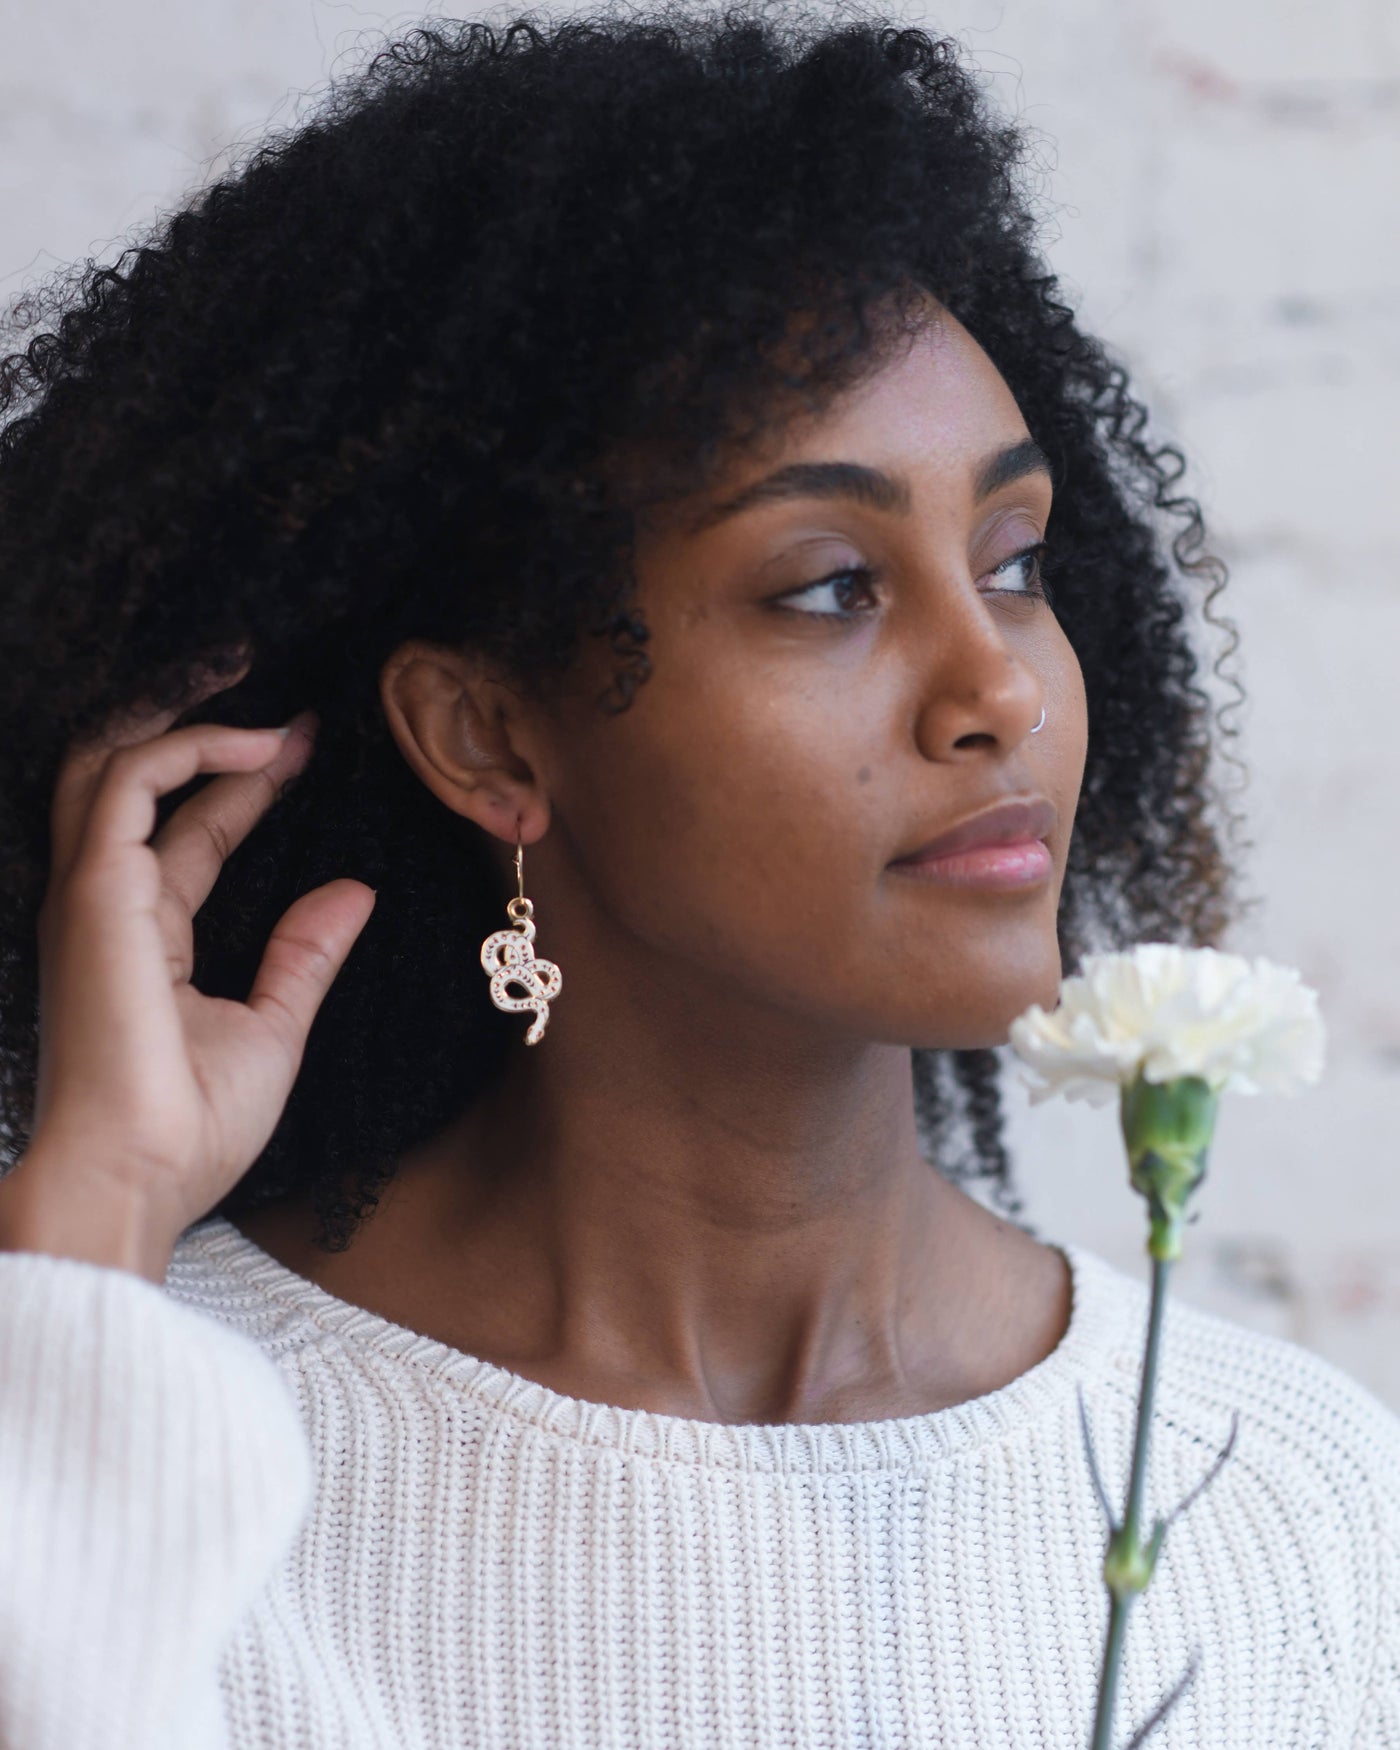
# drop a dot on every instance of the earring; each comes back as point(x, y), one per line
point(509, 957)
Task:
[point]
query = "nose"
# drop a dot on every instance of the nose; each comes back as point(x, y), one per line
point(977, 693)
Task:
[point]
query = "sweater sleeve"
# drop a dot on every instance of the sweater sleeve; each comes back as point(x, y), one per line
point(153, 1471)
point(1379, 1725)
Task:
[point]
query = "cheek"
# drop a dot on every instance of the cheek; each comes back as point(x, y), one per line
point(734, 827)
point(723, 822)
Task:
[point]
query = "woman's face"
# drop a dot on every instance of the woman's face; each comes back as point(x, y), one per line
point(848, 660)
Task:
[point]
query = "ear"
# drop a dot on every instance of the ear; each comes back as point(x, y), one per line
point(467, 735)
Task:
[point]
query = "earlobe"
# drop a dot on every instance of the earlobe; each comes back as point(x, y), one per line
point(444, 710)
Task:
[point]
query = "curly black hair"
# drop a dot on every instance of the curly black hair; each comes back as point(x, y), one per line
point(374, 383)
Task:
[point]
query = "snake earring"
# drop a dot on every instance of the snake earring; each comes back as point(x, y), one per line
point(509, 956)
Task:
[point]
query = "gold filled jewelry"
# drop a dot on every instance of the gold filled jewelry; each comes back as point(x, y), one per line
point(509, 956)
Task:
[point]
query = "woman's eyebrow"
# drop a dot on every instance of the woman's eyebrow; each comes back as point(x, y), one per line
point(1012, 463)
point(868, 486)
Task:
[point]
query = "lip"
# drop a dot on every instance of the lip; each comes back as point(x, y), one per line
point(1012, 822)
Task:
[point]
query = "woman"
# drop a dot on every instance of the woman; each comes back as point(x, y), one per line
point(638, 449)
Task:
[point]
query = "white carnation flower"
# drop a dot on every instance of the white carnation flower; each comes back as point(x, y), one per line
point(1168, 1012)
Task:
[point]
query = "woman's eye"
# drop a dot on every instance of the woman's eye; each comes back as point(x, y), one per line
point(835, 597)
point(1027, 566)
point(848, 594)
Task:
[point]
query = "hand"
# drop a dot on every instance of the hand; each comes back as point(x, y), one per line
point(152, 1099)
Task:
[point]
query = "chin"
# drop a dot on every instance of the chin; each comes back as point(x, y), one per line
point(983, 1017)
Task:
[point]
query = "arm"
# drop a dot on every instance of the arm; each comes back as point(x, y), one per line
point(153, 1471)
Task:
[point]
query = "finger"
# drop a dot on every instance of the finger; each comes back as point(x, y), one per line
point(122, 813)
point(85, 760)
point(305, 951)
point(198, 839)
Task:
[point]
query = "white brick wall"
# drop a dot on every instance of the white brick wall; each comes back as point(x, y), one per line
point(1223, 178)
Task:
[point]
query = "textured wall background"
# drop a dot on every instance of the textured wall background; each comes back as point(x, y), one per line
point(1222, 181)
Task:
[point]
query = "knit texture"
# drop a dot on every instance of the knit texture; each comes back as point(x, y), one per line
point(241, 1514)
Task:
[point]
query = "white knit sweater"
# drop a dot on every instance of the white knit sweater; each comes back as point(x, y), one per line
point(242, 1513)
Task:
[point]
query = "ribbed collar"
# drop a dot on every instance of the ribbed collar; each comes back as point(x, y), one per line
point(221, 1272)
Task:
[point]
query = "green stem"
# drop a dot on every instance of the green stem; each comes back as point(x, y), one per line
point(1126, 1570)
point(1160, 1268)
point(1108, 1678)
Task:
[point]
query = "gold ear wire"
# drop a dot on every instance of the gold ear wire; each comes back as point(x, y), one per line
point(509, 957)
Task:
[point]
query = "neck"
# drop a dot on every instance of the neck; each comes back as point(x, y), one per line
point(714, 1220)
point(746, 1243)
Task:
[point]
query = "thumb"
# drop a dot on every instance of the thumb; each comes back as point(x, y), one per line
point(307, 948)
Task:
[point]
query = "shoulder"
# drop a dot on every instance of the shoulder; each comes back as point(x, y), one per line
point(1297, 1537)
point(1320, 1453)
point(1300, 1415)
point(215, 1271)
point(1315, 1464)
point(1305, 1512)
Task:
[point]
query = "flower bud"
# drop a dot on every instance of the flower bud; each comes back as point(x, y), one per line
point(1167, 1127)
